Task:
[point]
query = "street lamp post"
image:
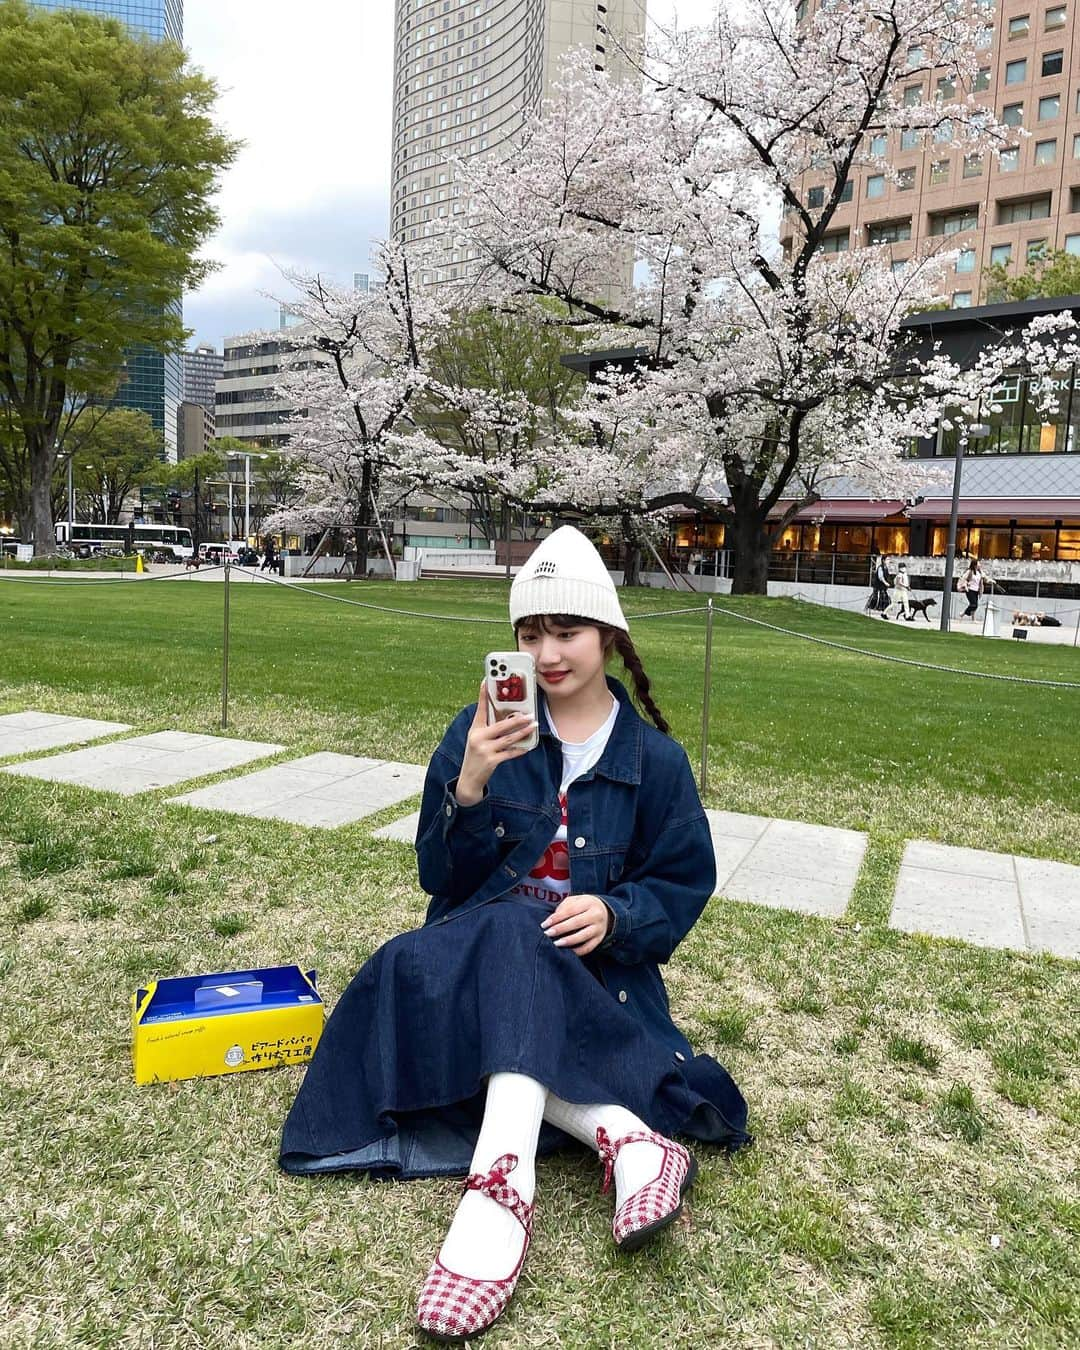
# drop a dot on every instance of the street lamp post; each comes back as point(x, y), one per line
point(247, 456)
point(976, 431)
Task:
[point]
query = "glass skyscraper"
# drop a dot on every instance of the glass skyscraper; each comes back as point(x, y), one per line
point(153, 381)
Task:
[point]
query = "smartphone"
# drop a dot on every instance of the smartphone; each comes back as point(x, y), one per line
point(510, 678)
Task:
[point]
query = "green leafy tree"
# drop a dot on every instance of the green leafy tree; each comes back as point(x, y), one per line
point(113, 457)
point(1045, 277)
point(513, 355)
point(108, 159)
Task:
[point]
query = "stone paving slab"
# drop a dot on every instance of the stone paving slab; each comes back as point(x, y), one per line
point(325, 790)
point(785, 864)
point(161, 759)
point(990, 899)
point(403, 830)
point(22, 732)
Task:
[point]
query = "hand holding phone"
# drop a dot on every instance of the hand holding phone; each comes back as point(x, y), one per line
point(504, 725)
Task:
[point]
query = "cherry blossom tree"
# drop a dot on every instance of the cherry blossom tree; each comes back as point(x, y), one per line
point(763, 374)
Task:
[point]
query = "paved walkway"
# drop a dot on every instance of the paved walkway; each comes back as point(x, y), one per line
point(23, 732)
point(324, 790)
point(144, 763)
point(990, 899)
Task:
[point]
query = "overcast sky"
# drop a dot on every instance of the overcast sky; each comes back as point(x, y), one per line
point(308, 89)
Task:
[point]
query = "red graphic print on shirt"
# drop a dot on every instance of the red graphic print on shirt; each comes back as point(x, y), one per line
point(555, 863)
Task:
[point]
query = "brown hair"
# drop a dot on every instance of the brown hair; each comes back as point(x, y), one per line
point(612, 640)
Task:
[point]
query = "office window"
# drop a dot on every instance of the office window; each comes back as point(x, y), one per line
point(1009, 160)
point(946, 89)
point(939, 172)
point(912, 95)
point(1049, 107)
point(915, 57)
point(888, 231)
point(1045, 152)
point(847, 191)
point(1015, 72)
point(1051, 63)
point(878, 144)
point(1013, 114)
point(961, 300)
point(1029, 208)
point(1036, 248)
point(1072, 243)
point(875, 186)
point(905, 180)
point(953, 222)
point(973, 166)
point(965, 261)
point(898, 264)
point(1074, 200)
point(1055, 17)
point(1001, 255)
point(835, 243)
point(1020, 26)
point(815, 197)
point(1076, 147)
point(909, 139)
point(982, 79)
point(943, 134)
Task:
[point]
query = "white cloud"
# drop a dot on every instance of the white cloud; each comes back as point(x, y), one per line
point(308, 87)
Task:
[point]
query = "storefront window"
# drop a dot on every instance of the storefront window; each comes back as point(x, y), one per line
point(1068, 548)
point(853, 539)
point(892, 538)
point(1028, 542)
point(788, 542)
point(989, 541)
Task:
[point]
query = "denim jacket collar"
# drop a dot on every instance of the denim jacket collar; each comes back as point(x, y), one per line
point(621, 760)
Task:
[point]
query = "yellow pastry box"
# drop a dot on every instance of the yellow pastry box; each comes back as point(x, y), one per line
point(197, 1026)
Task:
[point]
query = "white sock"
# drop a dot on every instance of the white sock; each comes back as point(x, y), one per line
point(636, 1165)
point(485, 1238)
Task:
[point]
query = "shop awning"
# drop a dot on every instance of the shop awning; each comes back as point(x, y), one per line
point(839, 509)
point(999, 508)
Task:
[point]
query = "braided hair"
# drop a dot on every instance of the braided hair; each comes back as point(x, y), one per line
point(612, 639)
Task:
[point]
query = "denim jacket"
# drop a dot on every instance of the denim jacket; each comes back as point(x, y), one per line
point(638, 839)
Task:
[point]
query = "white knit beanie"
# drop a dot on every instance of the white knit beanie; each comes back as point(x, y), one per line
point(566, 575)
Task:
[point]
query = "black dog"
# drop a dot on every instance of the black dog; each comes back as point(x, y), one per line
point(920, 607)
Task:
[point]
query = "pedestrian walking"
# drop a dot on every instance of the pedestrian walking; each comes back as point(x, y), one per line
point(881, 580)
point(972, 584)
point(269, 555)
point(903, 593)
point(529, 1009)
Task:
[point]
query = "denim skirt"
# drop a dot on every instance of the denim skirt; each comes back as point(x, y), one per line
point(396, 1086)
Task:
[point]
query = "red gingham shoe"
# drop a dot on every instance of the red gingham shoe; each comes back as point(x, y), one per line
point(655, 1205)
point(456, 1307)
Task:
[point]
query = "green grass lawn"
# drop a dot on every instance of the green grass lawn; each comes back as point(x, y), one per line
point(916, 1176)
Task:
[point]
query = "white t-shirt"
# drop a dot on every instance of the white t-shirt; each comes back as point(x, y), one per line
point(549, 880)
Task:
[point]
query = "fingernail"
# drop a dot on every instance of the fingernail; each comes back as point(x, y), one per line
point(560, 942)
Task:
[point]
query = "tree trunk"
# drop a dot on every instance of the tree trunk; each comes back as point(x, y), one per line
point(42, 462)
point(632, 551)
point(752, 548)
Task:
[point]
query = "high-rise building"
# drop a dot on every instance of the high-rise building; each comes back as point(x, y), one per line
point(153, 380)
point(202, 370)
point(996, 211)
point(466, 75)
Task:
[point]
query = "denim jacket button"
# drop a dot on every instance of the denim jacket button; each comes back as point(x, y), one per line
point(579, 842)
point(499, 831)
point(622, 995)
point(680, 1056)
point(449, 809)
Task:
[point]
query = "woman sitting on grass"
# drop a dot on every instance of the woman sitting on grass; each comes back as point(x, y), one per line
point(530, 1005)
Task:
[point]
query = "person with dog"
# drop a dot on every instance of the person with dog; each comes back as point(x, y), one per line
point(881, 580)
point(529, 1010)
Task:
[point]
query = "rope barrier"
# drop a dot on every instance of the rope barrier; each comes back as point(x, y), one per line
point(32, 580)
point(898, 660)
point(449, 618)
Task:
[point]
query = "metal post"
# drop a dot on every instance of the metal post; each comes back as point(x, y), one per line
point(1076, 635)
point(225, 656)
point(247, 499)
point(71, 498)
point(950, 548)
point(506, 533)
point(705, 702)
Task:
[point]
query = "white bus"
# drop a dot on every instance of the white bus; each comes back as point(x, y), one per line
point(84, 539)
